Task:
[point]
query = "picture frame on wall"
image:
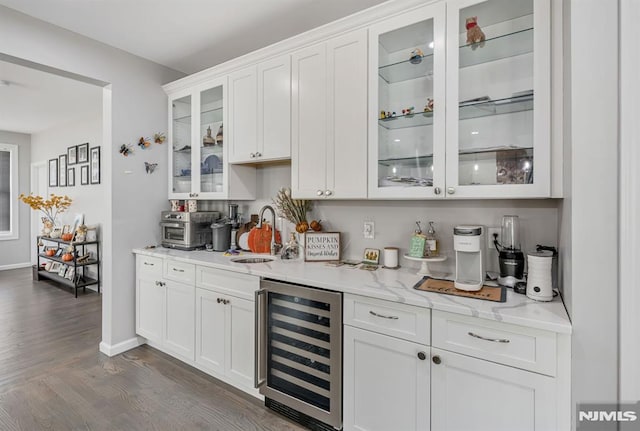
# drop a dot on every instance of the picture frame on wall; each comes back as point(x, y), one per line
point(62, 169)
point(53, 173)
point(72, 155)
point(82, 153)
point(84, 175)
point(71, 177)
point(95, 165)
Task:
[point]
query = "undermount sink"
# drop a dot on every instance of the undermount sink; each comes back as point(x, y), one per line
point(252, 259)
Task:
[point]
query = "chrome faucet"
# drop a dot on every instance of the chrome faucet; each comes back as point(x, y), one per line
point(275, 247)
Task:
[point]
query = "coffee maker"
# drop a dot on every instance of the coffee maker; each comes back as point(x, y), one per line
point(468, 244)
point(510, 255)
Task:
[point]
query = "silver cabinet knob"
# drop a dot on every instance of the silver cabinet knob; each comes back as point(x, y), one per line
point(451, 190)
point(328, 192)
point(436, 360)
point(422, 356)
point(319, 193)
point(436, 190)
point(252, 155)
point(258, 154)
point(219, 300)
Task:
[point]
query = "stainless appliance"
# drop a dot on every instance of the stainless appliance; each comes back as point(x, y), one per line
point(185, 230)
point(468, 244)
point(221, 235)
point(510, 257)
point(299, 353)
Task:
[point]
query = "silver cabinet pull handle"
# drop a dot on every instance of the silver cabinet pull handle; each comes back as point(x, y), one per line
point(252, 155)
point(149, 264)
point(319, 193)
point(260, 341)
point(451, 190)
point(436, 190)
point(328, 193)
point(178, 270)
point(493, 340)
point(258, 154)
point(373, 313)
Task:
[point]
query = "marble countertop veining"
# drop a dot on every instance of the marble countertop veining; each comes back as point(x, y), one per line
point(392, 285)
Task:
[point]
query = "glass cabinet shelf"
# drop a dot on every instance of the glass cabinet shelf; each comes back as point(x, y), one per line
point(407, 161)
point(497, 48)
point(209, 116)
point(405, 70)
point(404, 121)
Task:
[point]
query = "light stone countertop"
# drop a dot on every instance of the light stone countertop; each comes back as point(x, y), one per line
point(392, 285)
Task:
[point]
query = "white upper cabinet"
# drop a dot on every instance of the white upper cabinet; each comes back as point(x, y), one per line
point(260, 112)
point(329, 119)
point(481, 132)
point(198, 147)
point(406, 73)
point(498, 93)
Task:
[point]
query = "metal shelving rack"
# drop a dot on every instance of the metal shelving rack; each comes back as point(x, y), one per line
point(80, 280)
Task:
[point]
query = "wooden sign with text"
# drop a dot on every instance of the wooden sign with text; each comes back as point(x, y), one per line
point(321, 246)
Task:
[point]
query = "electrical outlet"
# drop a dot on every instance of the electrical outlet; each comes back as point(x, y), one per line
point(368, 230)
point(490, 232)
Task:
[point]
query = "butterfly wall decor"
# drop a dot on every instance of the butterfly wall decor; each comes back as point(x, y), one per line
point(159, 138)
point(144, 142)
point(150, 167)
point(125, 150)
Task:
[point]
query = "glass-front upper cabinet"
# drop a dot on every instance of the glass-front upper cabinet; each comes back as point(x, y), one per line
point(406, 105)
point(498, 94)
point(198, 147)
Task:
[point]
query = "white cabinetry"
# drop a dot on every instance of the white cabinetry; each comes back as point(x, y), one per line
point(386, 365)
point(487, 134)
point(329, 119)
point(164, 307)
point(198, 146)
point(225, 324)
point(474, 394)
point(260, 112)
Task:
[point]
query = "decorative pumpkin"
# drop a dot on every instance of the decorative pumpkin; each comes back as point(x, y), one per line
point(302, 227)
point(67, 257)
point(315, 225)
point(50, 252)
point(260, 239)
point(67, 236)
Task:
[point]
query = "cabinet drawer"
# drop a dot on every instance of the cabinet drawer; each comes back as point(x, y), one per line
point(180, 271)
point(229, 282)
point(518, 346)
point(398, 320)
point(148, 267)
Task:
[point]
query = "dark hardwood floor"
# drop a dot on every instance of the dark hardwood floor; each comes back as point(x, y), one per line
point(52, 376)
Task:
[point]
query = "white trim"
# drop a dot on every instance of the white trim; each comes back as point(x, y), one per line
point(15, 266)
point(121, 347)
point(35, 216)
point(629, 232)
point(14, 179)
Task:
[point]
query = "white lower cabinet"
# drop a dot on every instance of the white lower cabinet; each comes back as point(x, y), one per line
point(473, 394)
point(386, 382)
point(149, 309)
point(179, 324)
point(224, 335)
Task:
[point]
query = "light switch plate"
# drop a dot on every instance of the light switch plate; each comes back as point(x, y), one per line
point(368, 229)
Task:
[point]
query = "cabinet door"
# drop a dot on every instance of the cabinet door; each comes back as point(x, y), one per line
point(407, 70)
point(274, 107)
point(181, 127)
point(210, 170)
point(473, 394)
point(239, 340)
point(179, 317)
point(149, 309)
point(498, 94)
point(347, 116)
point(243, 115)
point(386, 384)
point(309, 122)
point(210, 330)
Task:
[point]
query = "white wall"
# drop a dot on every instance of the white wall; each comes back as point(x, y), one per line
point(395, 220)
point(15, 253)
point(593, 199)
point(137, 106)
point(90, 199)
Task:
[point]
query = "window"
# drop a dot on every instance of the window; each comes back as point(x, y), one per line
point(8, 191)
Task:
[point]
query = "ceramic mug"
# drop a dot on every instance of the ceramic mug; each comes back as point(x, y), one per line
point(175, 204)
point(192, 206)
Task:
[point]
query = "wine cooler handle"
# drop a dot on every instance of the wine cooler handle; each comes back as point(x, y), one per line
point(260, 341)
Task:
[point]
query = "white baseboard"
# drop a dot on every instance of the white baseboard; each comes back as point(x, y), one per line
point(15, 266)
point(116, 349)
